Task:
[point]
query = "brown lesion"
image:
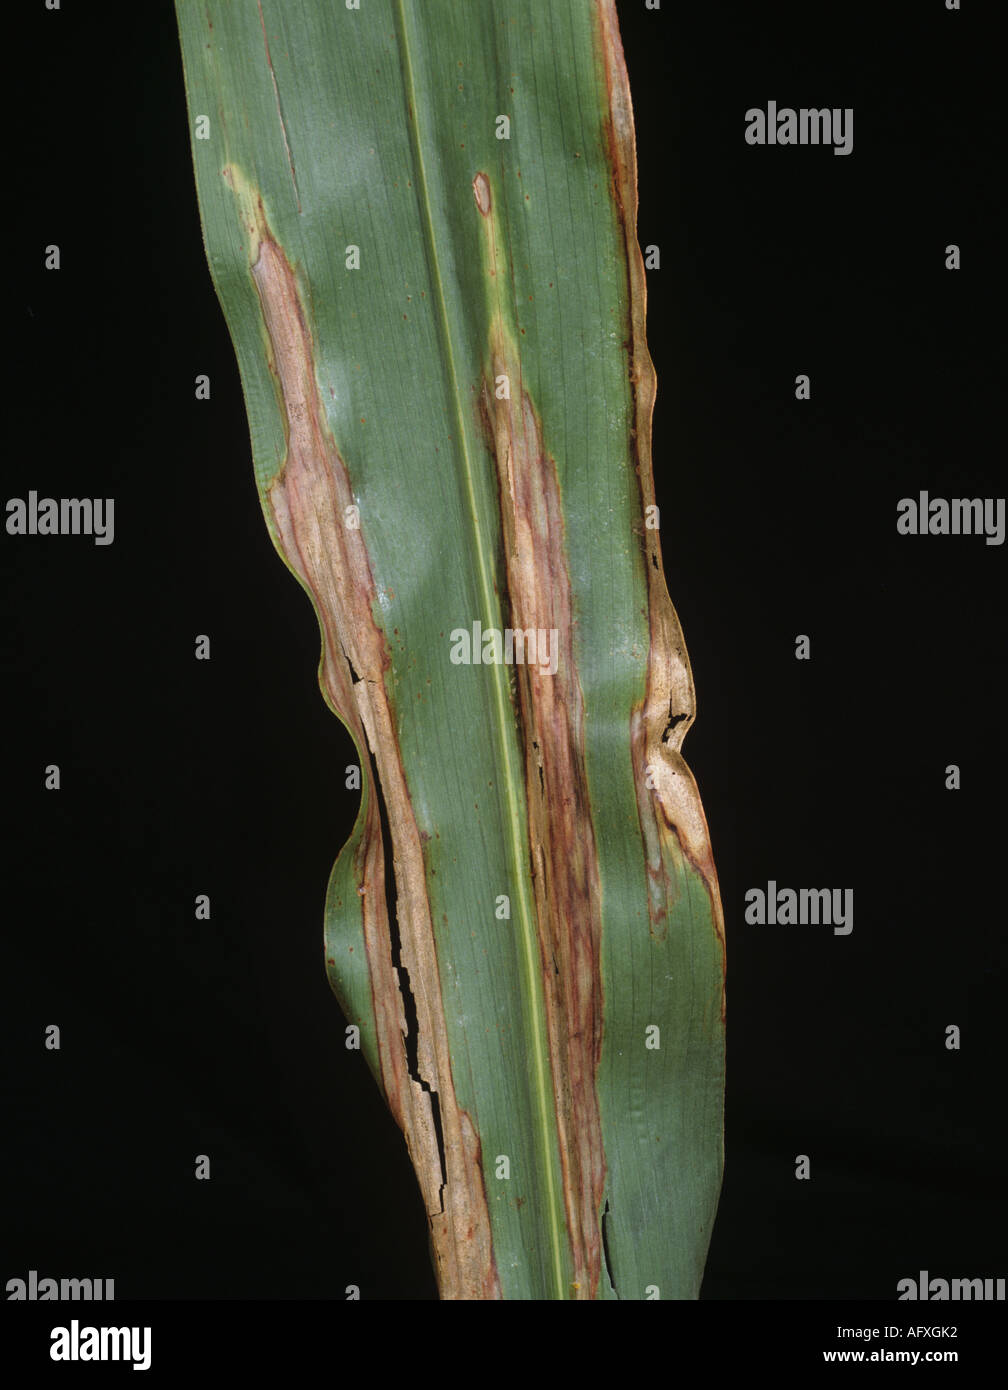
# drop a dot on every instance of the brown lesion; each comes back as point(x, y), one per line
point(308, 500)
point(658, 726)
point(563, 861)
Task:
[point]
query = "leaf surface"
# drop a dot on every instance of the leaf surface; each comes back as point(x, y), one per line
point(440, 334)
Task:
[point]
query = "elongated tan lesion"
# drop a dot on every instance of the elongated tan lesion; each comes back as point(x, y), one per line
point(668, 799)
point(308, 500)
point(562, 860)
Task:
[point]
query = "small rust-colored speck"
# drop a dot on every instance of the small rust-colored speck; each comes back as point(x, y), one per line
point(363, 420)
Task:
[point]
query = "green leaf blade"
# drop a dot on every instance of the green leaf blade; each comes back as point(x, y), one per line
point(335, 129)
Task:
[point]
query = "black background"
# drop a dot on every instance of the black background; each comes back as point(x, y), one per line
point(226, 777)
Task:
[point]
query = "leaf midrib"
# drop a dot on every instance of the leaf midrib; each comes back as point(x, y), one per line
point(513, 774)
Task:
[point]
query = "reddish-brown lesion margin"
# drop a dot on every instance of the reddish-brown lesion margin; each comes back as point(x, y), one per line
point(563, 860)
point(672, 805)
point(308, 500)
